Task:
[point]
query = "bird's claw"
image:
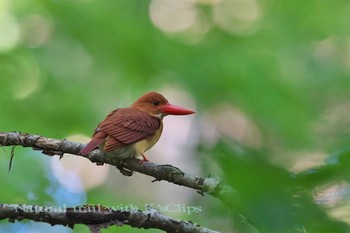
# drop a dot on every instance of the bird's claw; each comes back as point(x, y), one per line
point(144, 159)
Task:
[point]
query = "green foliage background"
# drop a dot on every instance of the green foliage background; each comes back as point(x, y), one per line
point(290, 77)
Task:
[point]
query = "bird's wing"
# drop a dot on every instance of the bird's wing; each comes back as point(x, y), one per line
point(126, 126)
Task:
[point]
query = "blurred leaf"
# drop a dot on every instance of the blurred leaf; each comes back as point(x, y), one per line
point(270, 198)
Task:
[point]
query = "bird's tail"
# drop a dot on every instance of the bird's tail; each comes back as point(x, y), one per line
point(96, 140)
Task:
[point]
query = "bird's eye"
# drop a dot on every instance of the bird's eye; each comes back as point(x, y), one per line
point(155, 103)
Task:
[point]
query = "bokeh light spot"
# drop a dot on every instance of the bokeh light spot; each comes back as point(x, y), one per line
point(225, 119)
point(208, 2)
point(237, 17)
point(9, 31)
point(173, 16)
point(76, 173)
point(36, 31)
point(28, 77)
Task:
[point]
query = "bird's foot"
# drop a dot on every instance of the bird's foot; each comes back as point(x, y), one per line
point(144, 159)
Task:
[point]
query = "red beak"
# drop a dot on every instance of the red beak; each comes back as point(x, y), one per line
point(170, 109)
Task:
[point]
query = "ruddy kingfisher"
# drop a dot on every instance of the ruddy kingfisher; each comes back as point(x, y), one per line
point(129, 132)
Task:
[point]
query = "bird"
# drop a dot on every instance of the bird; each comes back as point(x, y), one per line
point(130, 132)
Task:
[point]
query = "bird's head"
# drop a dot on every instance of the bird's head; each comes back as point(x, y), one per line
point(157, 105)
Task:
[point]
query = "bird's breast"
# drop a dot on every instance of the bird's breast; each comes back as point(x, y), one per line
point(146, 144)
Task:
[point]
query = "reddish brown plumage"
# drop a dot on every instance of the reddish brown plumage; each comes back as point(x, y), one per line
point(127, 132)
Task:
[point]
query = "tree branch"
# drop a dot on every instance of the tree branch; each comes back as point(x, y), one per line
point(97, 217)
point(49, 146)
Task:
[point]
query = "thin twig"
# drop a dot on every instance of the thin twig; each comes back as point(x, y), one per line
point(11, 158)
